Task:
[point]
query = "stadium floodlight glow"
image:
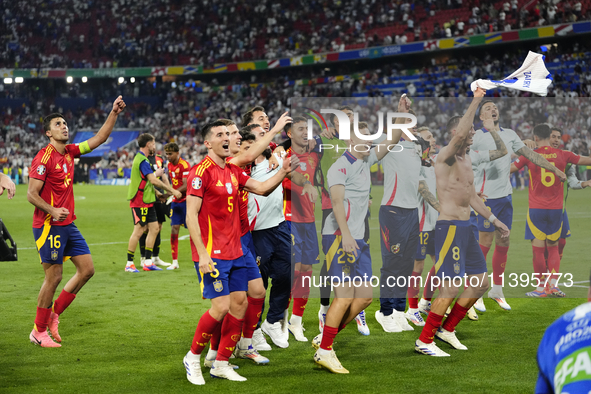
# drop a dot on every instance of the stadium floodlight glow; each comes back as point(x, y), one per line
point(84, 79)
point(19, 80)
point(121, 80)
point(7, 81)
point(69, 79)
point(132, 79)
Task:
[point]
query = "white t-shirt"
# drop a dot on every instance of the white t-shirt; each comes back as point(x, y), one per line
point(265, 212)
point(427, 214)
point(355, 175)
point(401, 175)
point(492, 178)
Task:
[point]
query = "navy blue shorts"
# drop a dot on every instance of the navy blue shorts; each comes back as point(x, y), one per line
point(57, 244)
point(565, 226)
point(426, 245)
point(252, 267)
point(227, 277)
point(502, 208)
point(178, 213)
point(305, 243)
point(457, 251)
point(345, 265)
point(474, 224)
point(543, 224)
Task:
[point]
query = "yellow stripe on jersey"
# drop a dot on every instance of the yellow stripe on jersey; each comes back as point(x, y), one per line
point(204, 166)
point(47, 154)
point(332, 251)
point(539, 234)
point(209, 245)
point(201, 285)
point(184, 163)
point(449, 238)
point(46, 227)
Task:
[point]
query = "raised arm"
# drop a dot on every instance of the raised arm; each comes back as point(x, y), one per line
point(337, 196)
point(541, 162)
point(499, 144)
point(403, 107)
point(428, 196)
point(105, 131)
point(265, 188)
point(462, 133)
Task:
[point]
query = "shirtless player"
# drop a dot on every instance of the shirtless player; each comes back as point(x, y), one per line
point(457, 251)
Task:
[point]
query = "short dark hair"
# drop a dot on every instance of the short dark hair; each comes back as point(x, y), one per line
point(360, 125)
point(227, 122)
point(542, 131)
point(143, 139)
point(341, 108)
point(452, 123)
point(249, 115)
point(248, 137)
point(483, 104)
point(171, 147)
point(47, 120)
point(294, 120)
point(205, 130)
point(249, 128)
point(557, 129)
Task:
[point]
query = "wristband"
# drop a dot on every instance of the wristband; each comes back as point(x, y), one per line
point(492, 218)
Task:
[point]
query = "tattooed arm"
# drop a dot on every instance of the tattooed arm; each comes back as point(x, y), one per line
point(428, 196)
point(500, 145)
point(538, 160)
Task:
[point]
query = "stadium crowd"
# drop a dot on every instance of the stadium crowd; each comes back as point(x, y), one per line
point(87, 34)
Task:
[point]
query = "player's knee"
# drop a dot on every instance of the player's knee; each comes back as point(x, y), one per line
point(256, 291)
point(88, 273)
point(366, 302)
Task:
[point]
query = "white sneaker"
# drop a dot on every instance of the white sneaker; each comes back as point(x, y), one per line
point(297, 331)
point(362, 326)
point(414, 316)
point(329, 361)
point(450, 338)
point(389, 323)
point(194, 375)
point(223, 370)
point(321, 319)
point(275, 332)
point(317, 341)
point(156, 260)
point(472, 315)
point(500, 299)
point(401, 320)
point(259, 342)
point(173, 267)
point(430, 349)
point(479, 305)
point(424, 306)
point(285, 325)
point(250, 353)
point(142, 259)
point(209, 363)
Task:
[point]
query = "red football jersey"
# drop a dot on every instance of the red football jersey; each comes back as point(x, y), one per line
point(243, 203)
point(545, 190)
point(297, 207)
point(57, 171)
point(178, 176)
point(219, 220)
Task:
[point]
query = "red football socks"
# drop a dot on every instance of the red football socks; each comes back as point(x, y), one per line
point(429, 289)
point(539, 264)
point(499, 262)
point(251, 318)
point(231, 330)
point(301, 291)
point(484, 249)
point(561, 245)
point(42, 319)
point(553, 261)
point(455, 316)
point(215, 337)
point(205, 329)
point(174, 246)
point(414, 289)
point(431, 326)
point(63, 301)
point(328, 335)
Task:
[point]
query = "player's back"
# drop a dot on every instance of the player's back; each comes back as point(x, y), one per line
point(545, 190)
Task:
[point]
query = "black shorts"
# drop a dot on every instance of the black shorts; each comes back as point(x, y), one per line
point(161, 211)
point(143, 216)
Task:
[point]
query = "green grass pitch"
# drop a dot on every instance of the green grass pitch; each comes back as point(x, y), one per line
point(128, 333)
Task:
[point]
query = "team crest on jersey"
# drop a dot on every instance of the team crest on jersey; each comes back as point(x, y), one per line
point(457, 268)
point(311, 161)
point(395, 248)
point(54, 255)
point(347, 270)
point(229, 187)
point(196, 183)
point(68, 159)
point(486, 224)
point(218, 286)
point(234, 181)
point(424, 250)
point(41, 169)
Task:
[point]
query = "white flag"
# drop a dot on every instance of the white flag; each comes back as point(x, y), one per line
point(532, 76)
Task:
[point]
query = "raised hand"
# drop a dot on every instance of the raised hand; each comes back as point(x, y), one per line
point(119, 105)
